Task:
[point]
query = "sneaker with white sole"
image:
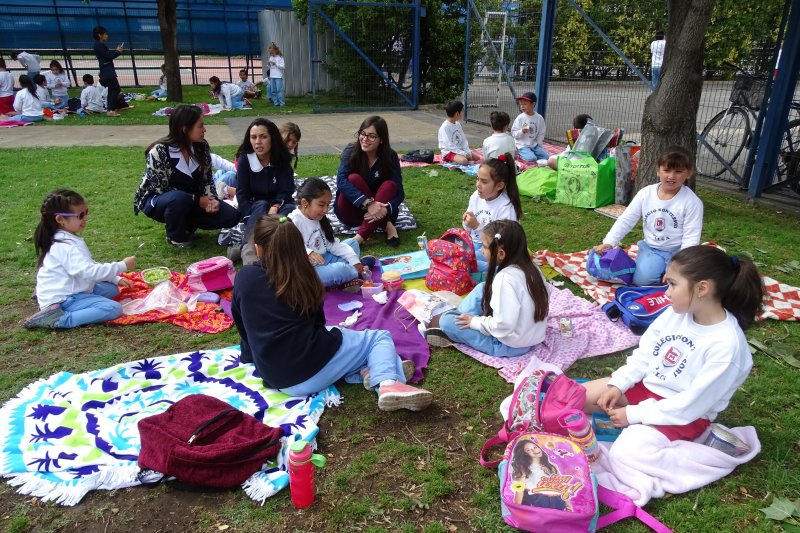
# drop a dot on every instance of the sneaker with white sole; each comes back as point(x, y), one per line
point(46, 318)
point(437, 338)
point(408, 372)
point(402, 396)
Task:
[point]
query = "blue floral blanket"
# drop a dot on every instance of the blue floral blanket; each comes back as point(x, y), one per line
point(71, 433)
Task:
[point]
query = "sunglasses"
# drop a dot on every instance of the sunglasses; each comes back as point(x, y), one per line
point(371, 137)
point(80, 215)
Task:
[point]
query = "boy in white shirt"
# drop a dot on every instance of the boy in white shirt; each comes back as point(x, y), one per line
point(91, 99)
point(528, 130)
point(30, 62)
point(248, 87)
point(499, 142)
point(452, 140)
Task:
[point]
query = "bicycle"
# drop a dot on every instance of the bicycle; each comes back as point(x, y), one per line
point(729, 132)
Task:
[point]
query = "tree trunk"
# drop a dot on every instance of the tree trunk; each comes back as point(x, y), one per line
point(670, 112)
point(168, 22)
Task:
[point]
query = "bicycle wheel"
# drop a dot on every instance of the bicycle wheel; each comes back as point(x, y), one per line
point(726, 133)
point(789, 158)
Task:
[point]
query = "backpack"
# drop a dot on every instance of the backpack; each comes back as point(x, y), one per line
point(452, 259)
point(536, 404)
point(74, 104)
point(418, 156)
point(212, 274)
point(613, 265)
point(638, 307)
point(203, 441)
point(563, 496)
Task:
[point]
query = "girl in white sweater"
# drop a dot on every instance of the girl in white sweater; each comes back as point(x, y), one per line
point(336, 262)
point(72, 289)
point(26, 102)
point(277, 66)
point(507, 315)
point(58, 82)
point(694, 356)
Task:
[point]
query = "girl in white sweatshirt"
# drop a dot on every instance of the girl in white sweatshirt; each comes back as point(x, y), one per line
point(336, 262)
point(505, 316)
point(72, 289)
point(694, 356)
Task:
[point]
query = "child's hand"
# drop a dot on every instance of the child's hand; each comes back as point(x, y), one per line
point(125, 283)
point(600, 248)
point(609, 398)
point(130, 262)
point(316, 259)
point(469, 220)
point(463, 320)
point(619, 417)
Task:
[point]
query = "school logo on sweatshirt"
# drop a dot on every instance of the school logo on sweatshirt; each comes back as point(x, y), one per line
point(660, 224)
point(672, 356)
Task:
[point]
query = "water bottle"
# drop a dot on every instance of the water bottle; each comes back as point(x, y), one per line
point(581, 431)
point(366, 277)
point(301, 473)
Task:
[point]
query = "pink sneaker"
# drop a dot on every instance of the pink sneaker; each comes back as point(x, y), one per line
point(401, 396)
point(408, 372)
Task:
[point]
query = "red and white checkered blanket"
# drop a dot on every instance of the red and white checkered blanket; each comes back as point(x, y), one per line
point(781, 301)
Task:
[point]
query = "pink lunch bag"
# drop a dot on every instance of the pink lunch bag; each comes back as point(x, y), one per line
point(212, 274)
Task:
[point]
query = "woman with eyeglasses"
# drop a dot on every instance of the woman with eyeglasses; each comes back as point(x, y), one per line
point(369, 183)
point(71, 288)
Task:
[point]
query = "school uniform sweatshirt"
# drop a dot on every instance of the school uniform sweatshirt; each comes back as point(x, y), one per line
point(92, 99)
point(6, 84)
point(26, 104)
point(452, 139)
point(498, 144)
point(536, 130)
point(55, 79)
point(668, 224)
point(694, 368)
point(68, 268)
point(315, 240)
point(499, 208)
point(511, 321)
point(286, 347)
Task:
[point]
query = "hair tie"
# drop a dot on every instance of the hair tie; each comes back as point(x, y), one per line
point(735, 262)
point(282, 220)
point(502, 157)
point(497, 236)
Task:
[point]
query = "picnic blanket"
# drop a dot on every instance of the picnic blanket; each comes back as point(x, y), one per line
point(522, 165)
point(13, 123)
point(69, 434)
point(781, 301)
point(643, 464)
point(591, 333)
point(390, 316)
point(205, 317)
point(437, 160)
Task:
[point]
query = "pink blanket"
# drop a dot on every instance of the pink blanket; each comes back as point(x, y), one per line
point(13, 123)
point(592, 334)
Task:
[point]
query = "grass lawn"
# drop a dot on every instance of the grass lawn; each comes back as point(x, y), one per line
point(386, 471)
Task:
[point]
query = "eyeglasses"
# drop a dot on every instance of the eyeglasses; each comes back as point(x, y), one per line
point(371, 137)
point(80, 215)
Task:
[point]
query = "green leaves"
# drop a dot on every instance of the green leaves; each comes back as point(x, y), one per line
point(786, 511)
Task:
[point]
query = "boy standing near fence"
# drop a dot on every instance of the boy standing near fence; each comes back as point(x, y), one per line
point(528, 130)
point(452, 140)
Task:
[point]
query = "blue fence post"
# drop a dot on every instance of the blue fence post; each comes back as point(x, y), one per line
point(468, 14)
point(418, 14)
point(544, 65)
point(312, 55)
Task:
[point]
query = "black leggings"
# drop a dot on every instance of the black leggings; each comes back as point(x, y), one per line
point(114, 92)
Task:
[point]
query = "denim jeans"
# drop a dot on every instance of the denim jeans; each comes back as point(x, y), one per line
point(371, 348)
point(656, 76)
point(651, 264)
point(85, 308)
point(276, 90)
point(533, 153)
point(159, 93)
point(237, 102)
point(183, 216)
point(336, 270)
point(226, 176)
point(472, 337)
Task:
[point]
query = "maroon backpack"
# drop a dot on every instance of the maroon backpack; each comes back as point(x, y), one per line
point(203, 441)
point(452, 260)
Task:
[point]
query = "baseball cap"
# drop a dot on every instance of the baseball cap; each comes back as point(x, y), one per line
point(529, 96)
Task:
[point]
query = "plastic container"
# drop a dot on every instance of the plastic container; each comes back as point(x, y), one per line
point(393, 281)
point(580, 430)
point(369, 292)
point(154, 276)
point(301, 473)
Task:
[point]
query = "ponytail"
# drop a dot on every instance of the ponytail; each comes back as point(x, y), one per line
point(291, 275)
point(57, 201)
point(504, 170)
point(736, 283)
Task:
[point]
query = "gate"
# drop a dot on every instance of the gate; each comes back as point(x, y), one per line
point(369, 50)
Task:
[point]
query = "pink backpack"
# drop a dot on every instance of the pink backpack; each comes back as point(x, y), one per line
point(212, 274)
point(536, 404)
point(452, 259)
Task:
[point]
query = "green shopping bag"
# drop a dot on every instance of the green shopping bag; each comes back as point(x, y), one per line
point(585, 183)
point(538, 182)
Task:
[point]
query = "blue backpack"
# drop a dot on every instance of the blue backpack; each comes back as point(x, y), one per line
point(638, 307)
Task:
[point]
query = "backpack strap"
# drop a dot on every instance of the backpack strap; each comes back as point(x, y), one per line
point(624, 508)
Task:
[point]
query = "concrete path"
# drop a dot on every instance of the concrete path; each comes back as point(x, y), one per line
point(322, 133)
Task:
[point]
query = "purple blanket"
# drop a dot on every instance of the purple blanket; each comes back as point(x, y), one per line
point(392, 317)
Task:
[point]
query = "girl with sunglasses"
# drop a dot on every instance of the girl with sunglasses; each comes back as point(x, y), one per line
point(71, 288)
point(369, 183)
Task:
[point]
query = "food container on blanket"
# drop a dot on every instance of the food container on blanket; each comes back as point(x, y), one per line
point(368, 291)
point(154, 276)
point(392, 280)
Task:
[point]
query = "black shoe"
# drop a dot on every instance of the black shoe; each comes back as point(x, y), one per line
point(394, 242)
point(369, 261)
point(437, 338)
point(182, 245)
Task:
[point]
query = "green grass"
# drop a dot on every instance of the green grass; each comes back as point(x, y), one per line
point(386, 471)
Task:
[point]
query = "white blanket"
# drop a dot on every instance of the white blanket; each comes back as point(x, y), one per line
point(642, 463)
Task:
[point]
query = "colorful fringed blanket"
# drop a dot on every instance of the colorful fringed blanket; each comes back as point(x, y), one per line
point(71, 433)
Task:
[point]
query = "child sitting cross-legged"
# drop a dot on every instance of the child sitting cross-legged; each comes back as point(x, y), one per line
point(452, 140)
point(500, 141)
point(528, 130)
point(277, 308)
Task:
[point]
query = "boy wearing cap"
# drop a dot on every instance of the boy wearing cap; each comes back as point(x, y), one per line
point(452, 140)
point(528, 130)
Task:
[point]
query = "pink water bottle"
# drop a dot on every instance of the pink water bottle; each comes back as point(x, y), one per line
point(581, 431)
point(301, 473)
